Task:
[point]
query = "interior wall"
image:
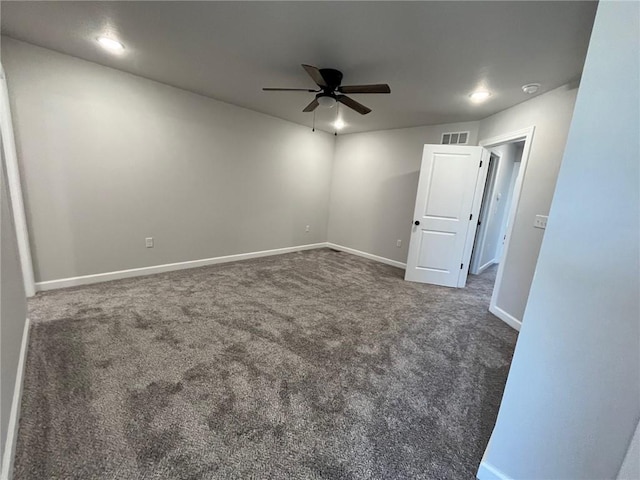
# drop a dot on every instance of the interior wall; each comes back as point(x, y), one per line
point(375, 180)
point(551, 115)
point(572, 398)
point(507, 202)
point(13, 308)
point(108, 159)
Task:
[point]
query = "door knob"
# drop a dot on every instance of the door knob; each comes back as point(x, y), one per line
point(417, 222)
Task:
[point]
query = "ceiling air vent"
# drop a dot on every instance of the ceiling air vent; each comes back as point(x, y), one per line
point(455, 138)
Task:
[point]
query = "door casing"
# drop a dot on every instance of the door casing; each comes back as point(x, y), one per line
point(526, 135)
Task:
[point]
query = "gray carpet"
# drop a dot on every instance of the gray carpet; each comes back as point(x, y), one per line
point(313, 365)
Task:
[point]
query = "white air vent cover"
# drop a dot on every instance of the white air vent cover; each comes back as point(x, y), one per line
point(455, 138)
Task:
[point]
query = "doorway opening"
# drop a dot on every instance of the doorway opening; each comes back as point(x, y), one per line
point(493, 220)
point(451, 189)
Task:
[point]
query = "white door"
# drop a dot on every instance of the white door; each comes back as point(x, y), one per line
point(449, 189)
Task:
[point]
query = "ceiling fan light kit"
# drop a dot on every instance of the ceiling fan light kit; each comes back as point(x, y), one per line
point(326, 101)
point(331, 91)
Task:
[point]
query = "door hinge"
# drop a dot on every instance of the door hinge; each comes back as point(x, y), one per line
point(471, 216)
point(461, 265)
point(480, 164)
point(479, 222)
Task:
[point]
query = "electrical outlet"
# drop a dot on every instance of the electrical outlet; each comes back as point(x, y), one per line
point(540, 221)
point(306, 228)
point(399, 243)
point(148, 242)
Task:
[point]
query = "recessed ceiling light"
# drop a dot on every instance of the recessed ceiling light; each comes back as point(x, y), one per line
point(479, 96)
point(110, 44)
point(339, 124)
point(530, 88)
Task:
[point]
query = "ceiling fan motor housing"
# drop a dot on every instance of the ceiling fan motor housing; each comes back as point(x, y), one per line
point(333, 79)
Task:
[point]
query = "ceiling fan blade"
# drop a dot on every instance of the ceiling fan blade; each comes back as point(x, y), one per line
point(289, 90)
point(312, 106)
point(376, 88)
point(351, 103)
point(315, 74)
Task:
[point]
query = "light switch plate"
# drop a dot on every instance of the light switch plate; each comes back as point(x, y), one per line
point(148, 242)
point(540, 221)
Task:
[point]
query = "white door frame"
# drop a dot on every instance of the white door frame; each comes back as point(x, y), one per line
point(481, 233)
point(15, 188)
point(525, 134)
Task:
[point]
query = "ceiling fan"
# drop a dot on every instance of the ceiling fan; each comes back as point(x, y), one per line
point(330, 91)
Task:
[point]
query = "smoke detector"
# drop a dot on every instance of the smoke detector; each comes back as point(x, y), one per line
point(530, 88)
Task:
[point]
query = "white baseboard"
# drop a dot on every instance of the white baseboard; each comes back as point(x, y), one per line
point(489, 472)
point(169, 267)
point(12, 430)
point(485, 266)
point(370, 256)
point(507, 318)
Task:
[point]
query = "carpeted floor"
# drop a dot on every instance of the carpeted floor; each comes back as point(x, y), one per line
point(311, 365)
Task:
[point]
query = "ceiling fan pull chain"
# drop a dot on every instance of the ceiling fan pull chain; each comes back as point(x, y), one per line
point(313, 129)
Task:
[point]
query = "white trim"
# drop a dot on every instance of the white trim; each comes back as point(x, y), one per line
point(370, 256)
point(525, 134)
point(169, 267)
point(15, 189)
point(486, 265)
point(486, 471)
point(510, 137)
point(12, 430)
point(507, 318)
point(480, 240)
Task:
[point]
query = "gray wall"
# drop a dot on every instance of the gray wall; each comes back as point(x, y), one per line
point(551, 114)
point(373, 192)
point(13, 308)
point(109, 158)
point(572, 399)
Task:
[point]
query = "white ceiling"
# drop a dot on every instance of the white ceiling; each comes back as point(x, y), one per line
point(432, 54)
